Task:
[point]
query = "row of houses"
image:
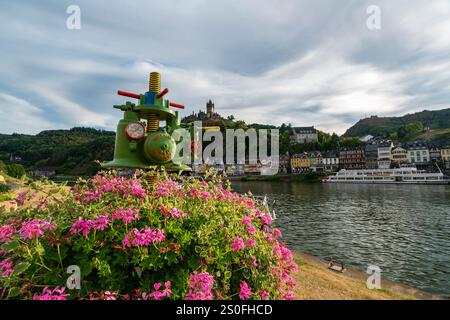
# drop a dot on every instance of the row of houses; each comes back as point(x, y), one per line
point(376, 154)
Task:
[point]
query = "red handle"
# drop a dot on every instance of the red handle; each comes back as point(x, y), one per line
point(128, 94)
point(176, 105)
point(162, 93)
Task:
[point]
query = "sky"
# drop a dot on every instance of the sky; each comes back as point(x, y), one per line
point(265, 61)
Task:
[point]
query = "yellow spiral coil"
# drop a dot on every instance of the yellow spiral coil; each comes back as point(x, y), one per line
point(154, 83)
point(152, 122)
point(151, 178)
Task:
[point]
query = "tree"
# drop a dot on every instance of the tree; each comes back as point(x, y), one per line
point(16, 170)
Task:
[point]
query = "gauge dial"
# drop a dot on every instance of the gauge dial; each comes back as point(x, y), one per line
point(135, 131)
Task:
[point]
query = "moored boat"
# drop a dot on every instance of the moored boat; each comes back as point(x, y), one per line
point(397, 175)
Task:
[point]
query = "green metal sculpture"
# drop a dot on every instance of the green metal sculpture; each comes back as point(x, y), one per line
point(143, 145)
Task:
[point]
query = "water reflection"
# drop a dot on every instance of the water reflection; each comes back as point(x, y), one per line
point(403, 229)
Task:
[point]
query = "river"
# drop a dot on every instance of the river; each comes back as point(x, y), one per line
point(403, 229)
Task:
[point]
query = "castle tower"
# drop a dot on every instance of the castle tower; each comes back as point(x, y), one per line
point(209, 109)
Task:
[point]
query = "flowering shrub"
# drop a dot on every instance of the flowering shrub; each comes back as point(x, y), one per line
point(181, 238)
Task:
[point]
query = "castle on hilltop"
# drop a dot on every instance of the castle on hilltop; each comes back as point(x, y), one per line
point(210, 114)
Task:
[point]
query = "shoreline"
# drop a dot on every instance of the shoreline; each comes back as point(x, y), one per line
point(350, 284)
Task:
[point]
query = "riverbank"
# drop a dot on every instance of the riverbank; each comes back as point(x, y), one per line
point(309, 177)
point(316, 282)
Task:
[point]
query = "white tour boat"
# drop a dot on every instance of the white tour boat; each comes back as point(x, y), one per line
point(397, 175)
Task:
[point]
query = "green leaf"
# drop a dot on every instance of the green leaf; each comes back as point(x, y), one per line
point(13, 292)
point(21, 267)
point(13, 245)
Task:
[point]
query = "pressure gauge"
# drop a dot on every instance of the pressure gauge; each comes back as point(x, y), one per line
point(135, 131)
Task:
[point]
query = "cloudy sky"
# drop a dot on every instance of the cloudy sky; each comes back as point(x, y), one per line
point(300, 62)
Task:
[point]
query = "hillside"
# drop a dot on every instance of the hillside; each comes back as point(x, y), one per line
point(388, 126)
point(66, 151)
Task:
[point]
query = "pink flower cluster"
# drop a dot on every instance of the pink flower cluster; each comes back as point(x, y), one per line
point(21, 198)
point(35, 228)
point(266, 219)
point(143, 238)
point(85, 226)
point(244, 292)
point(7, 232)
point(199, 194)
point(171, 212)
point(167, 188)
point(285, 266)
point(126, 215)
point(123, 187)
point(238, 244)
point(247, 221)
point(158, 294)
point(6, 267)
point(137, 190)
point(55, 294)
point(110, 295)
point(200, 286)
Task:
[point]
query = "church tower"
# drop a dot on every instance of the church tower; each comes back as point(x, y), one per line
point(209, 109)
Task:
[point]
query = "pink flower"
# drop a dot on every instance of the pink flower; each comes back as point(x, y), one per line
point(200, 194)
point(251, 242)
point(81, 226)
point(55, 294)
point(126, 215)
point(288, 295)
point(246, 220)
point(167, 188)
point(21, 197)
point(92, 195)
point(171, 212)
point(137, 190)
point(254, 262)
point(277, 233)
point(35, 228)
point(100, 223)
point(6, 267)
point(238, 244)
point(6, 232)
point(245, 291)
point(143, 238)
point(200, 286)
point(266, 219)
point(264, 294)
point(110, 295)
point(251, 229)
point(159, 294)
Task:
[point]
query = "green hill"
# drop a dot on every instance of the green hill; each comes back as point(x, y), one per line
point(66, 151)
point(401, 127)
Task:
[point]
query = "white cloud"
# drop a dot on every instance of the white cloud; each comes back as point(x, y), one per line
point(304, 62)
point(20, 116)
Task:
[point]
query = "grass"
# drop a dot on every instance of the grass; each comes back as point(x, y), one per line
point(315, 282)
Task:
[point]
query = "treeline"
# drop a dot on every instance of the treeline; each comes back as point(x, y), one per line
point(400, 127)
point(66, 151)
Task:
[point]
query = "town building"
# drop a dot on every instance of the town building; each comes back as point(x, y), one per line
point(399, 155)
point(384, 154)
point(352, 158)
point(445, 156)
point(371, 155)
point(331, 161)
point(316, 161)
point(435, 154)
point(299, 162)
point(284, 165)
point(418, 153)
point(304, 135)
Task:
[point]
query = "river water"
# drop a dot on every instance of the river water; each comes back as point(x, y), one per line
point(403, 229)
